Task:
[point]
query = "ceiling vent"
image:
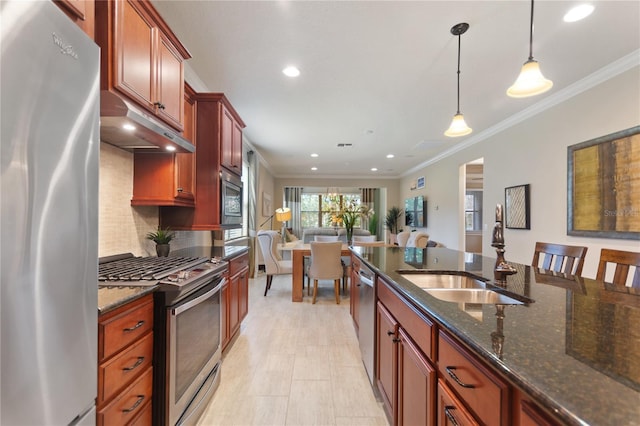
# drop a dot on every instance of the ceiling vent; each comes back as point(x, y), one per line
point(345, 145)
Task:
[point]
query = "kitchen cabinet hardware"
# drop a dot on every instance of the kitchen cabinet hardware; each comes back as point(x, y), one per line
point(134, 366)
point(135, 405)
point(396, 340)
point(390, 333)
point(138, 325)
point(450, 372)
point(449, 414)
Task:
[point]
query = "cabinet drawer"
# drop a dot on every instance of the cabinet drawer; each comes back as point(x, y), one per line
point(125, 367)
point(123, 328)
point(145, 416)
point(482, 391)
point(417, 325)
point(450, 409)
point(130, 403)
point(238, 263)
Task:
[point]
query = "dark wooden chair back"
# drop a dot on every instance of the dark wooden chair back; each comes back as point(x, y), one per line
point(559, 258)
point(624, 260)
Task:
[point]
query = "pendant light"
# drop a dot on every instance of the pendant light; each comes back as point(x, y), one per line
point(530, 82)
point(458, 126)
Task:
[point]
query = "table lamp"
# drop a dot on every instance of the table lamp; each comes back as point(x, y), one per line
point(282, 215)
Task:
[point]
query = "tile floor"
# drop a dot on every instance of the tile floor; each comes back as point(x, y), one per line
point(294, 364)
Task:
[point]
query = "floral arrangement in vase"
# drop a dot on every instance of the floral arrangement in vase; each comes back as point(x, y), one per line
point(348, 216)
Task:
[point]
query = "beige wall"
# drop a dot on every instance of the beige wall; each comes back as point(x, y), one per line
point(533, 152)
point(122, 228)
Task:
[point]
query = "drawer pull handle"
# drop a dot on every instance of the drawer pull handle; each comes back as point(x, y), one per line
point(390, 333)
point(450, 372)
point(134, 406)
point(449, 414)
point(138, 325)
point(134, 366)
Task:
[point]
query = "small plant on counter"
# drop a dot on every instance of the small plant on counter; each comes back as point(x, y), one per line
point(161, 236)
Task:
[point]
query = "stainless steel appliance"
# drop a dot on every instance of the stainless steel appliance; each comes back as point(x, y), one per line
point(49, 86)
point(187, 328)
point(231, 200)
point(367, 319)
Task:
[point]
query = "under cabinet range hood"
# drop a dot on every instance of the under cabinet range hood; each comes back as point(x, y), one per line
point(124, 125)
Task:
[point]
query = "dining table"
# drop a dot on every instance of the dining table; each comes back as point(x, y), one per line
point(299, 251)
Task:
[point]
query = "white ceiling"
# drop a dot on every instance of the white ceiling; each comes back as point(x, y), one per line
point(381, 75)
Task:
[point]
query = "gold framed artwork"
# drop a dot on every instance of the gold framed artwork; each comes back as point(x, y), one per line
point(603, 183)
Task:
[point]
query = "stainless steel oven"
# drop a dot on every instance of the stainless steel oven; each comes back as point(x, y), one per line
point(188, 363)
point(231, 200)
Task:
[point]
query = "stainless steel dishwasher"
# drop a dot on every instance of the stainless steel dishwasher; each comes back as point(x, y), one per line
point(367, 319)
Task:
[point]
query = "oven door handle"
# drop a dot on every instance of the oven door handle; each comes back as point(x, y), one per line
point(199, 299)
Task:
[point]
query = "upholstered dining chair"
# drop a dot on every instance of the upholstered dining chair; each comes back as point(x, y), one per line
point(274, 265)
point(326, 265)
point(418, 239)
point(623, 261)
point(559, 258)
point(326, 238)
point(402, 238)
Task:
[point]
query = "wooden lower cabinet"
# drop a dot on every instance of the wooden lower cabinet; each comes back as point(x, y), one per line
point(235, 298)
point(125, 364)
point(416, 384)
point(387, 359)
point(354, 294)
point(450, 410)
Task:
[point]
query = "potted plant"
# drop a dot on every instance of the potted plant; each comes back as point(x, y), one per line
point(161, 237)
point(391, 222)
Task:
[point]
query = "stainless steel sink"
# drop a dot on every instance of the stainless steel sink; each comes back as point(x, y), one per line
point(441, 281)
point(471, 295)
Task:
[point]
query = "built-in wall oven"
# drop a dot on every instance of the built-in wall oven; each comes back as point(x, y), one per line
point(230, 200)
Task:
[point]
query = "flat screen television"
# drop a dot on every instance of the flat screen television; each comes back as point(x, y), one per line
point(415, 212)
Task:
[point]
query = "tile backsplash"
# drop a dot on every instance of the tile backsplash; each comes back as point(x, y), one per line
point(122, 227)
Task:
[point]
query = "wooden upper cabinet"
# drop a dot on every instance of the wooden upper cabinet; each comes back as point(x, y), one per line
point(142, 58)
point(161, 179)
point(231, 142)
point(82, 12)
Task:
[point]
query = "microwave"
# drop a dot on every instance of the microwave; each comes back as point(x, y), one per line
point(231, 200)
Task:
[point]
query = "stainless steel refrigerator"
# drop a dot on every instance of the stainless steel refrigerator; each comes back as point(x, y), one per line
point(49, 120)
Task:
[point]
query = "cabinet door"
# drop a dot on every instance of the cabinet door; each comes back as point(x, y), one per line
point(243, 290)
point(226, 143)
point(134, 61)
point(224, 315)
point(416, 385)
point(450, 409)
point(170, 84)
point(185, 163)
point(387, 358)
point(236, 160)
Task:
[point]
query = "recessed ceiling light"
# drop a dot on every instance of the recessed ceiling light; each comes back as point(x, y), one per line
point(390, 155)
point(577, 13)
point(314, 155)
point(291, 71)
point(128, 126)
point(170, 148)
point(314, 168)
point(374, 169)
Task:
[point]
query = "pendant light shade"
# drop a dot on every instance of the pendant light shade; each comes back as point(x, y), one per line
point(458, 126)
point(530, 82)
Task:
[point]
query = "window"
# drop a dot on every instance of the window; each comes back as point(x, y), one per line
point(473, 211)
point(316, 208)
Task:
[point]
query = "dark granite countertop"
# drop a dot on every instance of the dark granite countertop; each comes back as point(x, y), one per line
point(111, 297)
point(575, 349)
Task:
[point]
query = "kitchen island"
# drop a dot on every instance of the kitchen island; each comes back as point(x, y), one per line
point(572, 347)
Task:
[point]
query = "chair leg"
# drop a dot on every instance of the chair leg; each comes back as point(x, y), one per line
point(336, 290)
point(315, 290)
point(268, 284)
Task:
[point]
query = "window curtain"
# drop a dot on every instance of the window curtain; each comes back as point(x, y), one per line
point(368, 198)
point(292, 199)
point(252, 167)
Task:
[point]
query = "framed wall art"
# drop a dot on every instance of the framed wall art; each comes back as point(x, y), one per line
point(516, 201)
point(603, 182)
point(266, 204)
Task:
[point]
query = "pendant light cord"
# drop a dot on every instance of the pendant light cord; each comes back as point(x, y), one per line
point(458, 112)
point(531, 34)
